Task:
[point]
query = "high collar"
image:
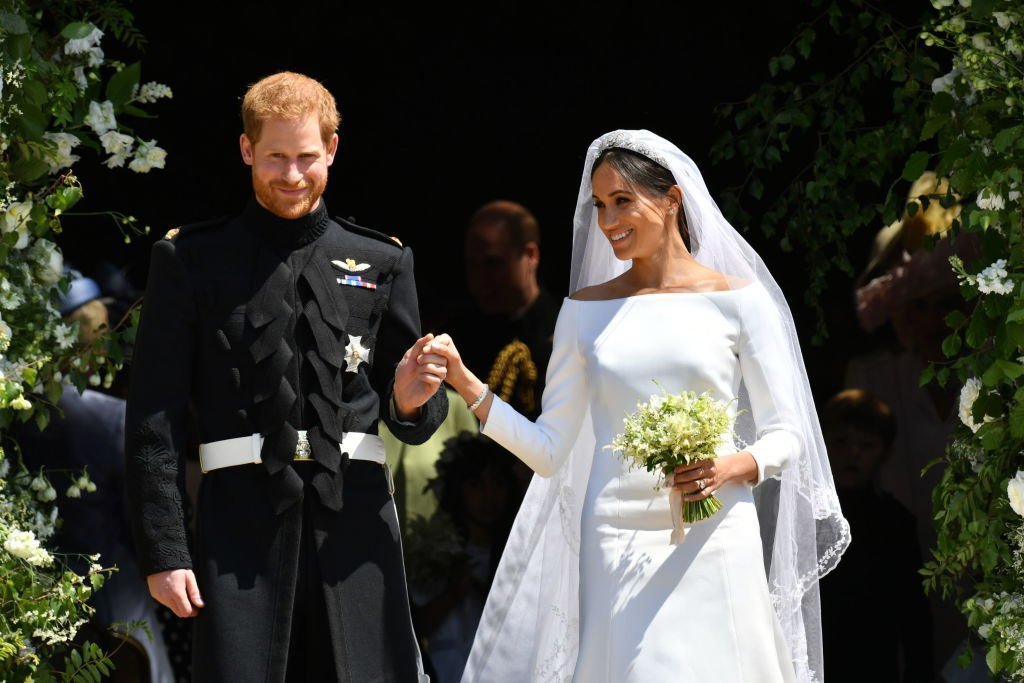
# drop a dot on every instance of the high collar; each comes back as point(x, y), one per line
point(285, 232)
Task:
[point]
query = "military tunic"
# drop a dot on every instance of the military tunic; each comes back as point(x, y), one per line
point(258, 324)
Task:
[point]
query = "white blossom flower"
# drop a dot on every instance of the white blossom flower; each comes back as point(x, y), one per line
point(94, 380)
point(5, 335)
point(65, 335)
point(101, 117)
point(116, 143)
point(984, 630)
point(957, 24)
point(95, 56)
point(1015, 492)
point(20, 403)
point(16, 219)
point(63, 157)
point(981, 42)
point(47, 262)
point(90, 487)
point(39, 483)
point(77, 46)
point(945, 83)
point(1004, 19)
point(73, 492)
point(47, 495)
point(80, 79)
point(5, 468)
point(24, 544)
point(990, 201)
point(1013, 47)
point(148, 156)
point(966, 4)
point(153, 91)
point(82, 482)
point(968, 395)
point(939, 4)
point(994, 279)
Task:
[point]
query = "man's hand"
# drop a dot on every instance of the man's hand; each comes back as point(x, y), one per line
point(417, 378)
point(177, 590)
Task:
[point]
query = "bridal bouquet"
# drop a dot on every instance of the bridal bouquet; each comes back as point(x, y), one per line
point(670, 430)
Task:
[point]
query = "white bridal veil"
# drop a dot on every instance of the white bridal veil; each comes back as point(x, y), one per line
point(530, 626)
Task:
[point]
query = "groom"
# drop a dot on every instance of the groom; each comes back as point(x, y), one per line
point(283, 334)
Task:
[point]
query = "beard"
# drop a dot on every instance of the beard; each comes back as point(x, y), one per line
point(289, 208)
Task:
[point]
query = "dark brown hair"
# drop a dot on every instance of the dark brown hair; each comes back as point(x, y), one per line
point(861, 410)
point(517, 220)
point(644, 175)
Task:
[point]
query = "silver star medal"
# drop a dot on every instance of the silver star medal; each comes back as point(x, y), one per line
point(350, 266)
point(355, 353)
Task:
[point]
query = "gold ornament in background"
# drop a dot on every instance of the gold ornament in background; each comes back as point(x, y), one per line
point(514, 367)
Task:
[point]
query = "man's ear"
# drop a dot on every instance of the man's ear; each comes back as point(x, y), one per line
point(246, 147)
point(532, 252)
point(332, 148)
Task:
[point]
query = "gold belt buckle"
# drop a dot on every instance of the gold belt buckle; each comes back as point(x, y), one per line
point(303, 452)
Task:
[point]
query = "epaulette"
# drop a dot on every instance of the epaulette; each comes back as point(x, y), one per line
point(192, 228)
point(368, 232)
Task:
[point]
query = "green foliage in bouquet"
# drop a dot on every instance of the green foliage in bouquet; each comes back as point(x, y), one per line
point(669, 430)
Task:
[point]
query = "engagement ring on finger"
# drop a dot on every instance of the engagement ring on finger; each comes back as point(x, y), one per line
point(701, 484)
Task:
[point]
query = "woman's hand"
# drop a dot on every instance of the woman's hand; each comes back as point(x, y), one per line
point(700, 479)
point(459, 377)
point(443, 346)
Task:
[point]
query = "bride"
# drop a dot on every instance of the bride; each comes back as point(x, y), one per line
point(600, 582)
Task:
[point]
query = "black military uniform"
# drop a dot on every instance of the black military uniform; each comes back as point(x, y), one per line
point(268, 326)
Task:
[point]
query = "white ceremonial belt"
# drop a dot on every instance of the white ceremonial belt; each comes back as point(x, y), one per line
point(245, 450)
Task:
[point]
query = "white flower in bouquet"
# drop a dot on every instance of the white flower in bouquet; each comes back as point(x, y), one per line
point(65, 335)
point(101, 117)
point(670, 430)
point(994, 279)
point(1015, 492)
point(148, 156)
point(80, 80)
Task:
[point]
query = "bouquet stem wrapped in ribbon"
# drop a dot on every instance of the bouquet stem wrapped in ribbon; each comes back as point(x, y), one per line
point(670, 430)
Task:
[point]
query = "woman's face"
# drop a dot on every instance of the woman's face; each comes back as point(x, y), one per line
point(636, 225)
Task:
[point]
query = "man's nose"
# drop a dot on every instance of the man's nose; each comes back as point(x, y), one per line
point(292, 174)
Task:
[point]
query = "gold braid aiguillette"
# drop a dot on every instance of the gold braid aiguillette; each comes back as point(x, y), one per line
point(514, 367)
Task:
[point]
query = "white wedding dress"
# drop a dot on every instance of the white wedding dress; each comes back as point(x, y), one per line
point(652, 611)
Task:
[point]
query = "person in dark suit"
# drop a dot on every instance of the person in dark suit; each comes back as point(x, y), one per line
point(289, 335)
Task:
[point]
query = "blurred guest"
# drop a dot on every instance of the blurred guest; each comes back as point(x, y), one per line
point(909, 284)
point(87, 432)
point(876, 589)
point(508, 328)
point(453, 555)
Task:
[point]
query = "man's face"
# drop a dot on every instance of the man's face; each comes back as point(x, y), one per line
point(500, 276)
point(855, 455)
point(289, 165)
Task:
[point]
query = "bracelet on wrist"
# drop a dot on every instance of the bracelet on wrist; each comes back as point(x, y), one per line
point(479, 398)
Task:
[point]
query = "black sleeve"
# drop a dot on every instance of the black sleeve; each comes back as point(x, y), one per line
point(155, 425)
point(399, 329)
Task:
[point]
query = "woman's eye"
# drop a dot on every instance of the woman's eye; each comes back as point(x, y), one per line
point(619, 201)
point(598, 205)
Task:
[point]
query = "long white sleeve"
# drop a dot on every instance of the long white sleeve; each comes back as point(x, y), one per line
point(770, 383)
point(545, 444)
